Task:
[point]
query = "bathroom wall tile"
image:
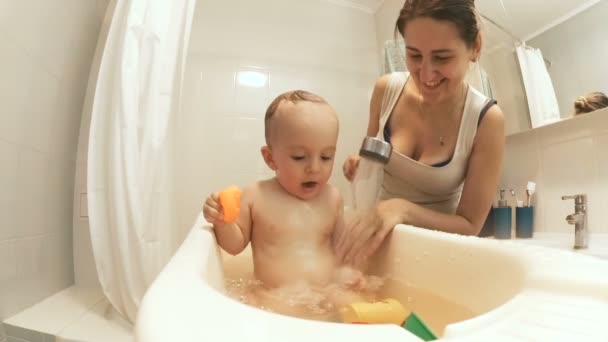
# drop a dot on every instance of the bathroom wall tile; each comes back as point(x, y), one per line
point(39, 114)
point(252, 101)
point(601, 146)
point(16, 70)
point(32, 197)
point(9, 159)
point(247, 138)
point(31, 20)
point(58, 267)
point(66, 123)
point(569, 168)
point(216, 90)
point(29, 256)
point(8, 264)
point(47, 48)
point(282, 79)
point(521, 163)
point(85, 272)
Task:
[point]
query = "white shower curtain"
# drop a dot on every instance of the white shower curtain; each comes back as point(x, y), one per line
point(542, 101)
point(130, 179)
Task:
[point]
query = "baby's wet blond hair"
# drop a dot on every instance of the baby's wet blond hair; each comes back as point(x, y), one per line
point(293, 96)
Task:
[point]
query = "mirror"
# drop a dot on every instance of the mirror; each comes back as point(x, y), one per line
point(571, 37)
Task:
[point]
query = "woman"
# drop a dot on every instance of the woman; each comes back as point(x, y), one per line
point(447, 138)
point(590, 102)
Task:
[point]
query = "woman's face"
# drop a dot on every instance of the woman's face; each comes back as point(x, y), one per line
point(437, 58)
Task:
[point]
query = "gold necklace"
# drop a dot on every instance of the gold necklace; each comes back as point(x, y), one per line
point(462, 99)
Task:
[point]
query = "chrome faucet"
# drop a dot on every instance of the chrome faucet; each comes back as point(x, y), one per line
point(579, 220)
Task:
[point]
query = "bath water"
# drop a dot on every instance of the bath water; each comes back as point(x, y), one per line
point(434, 310)
point(366, 184)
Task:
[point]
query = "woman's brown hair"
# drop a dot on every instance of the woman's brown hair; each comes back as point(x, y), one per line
point(590, 102)
point(461, 13)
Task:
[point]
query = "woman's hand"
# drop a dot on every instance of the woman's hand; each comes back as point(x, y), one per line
point(350, 166)
point(364, 233)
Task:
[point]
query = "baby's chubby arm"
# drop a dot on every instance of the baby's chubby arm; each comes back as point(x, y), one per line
point(233, 237)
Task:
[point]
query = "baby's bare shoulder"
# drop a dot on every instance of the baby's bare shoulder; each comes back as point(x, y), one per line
point(333, 197)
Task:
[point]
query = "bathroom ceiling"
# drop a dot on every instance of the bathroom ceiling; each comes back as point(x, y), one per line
point(525, 18)
point(370, 6)
point(528, 18)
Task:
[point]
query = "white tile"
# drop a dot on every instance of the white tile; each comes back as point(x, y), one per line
point(16, 70)
point(41, 110)
point(247, 138)
point(601, 146)
point(569, 168)
point(58, 266)
point(57, 311)
point(33, 203)
point(282, 79)
point(85, 271)
point(9, 158)
point(66, 124)
point(30, 256)
point(215, 88)
point(8, 261)
point(252, 101)
point(101, 323)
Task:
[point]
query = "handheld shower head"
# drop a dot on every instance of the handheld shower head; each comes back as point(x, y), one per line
point(375, 149)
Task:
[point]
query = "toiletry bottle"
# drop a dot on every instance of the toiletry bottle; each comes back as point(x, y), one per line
point(502, 218)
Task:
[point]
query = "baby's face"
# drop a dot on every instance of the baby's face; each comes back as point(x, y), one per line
point(303, 145)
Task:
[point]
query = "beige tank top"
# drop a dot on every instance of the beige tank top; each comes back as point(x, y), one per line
point(437, 188)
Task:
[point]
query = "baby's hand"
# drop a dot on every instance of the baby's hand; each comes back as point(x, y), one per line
point(223, 207)
point(212, 209)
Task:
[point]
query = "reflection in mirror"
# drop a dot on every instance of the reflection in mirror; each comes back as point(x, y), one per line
point(558, 52)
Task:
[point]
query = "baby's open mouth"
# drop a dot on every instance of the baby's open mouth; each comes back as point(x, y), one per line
point(309, 185)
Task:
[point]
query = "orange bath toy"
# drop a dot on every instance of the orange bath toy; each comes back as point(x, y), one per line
point(230, 199)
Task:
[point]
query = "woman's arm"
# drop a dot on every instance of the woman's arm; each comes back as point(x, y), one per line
point(479, 189)
point(375, 105)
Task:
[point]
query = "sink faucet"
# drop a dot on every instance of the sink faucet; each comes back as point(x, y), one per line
point(579, 220)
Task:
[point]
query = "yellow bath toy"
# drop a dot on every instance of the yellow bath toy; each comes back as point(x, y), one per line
point(230, 199)
point(385, 311)
point(388, 311)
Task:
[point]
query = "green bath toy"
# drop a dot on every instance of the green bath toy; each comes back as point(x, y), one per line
point(417, 327)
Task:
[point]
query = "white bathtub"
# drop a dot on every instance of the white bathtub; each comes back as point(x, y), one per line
point(521, 293)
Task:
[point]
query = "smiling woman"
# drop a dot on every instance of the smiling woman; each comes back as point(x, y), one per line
point(447, 138)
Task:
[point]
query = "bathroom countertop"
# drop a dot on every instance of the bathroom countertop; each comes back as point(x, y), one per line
point(598, 242)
